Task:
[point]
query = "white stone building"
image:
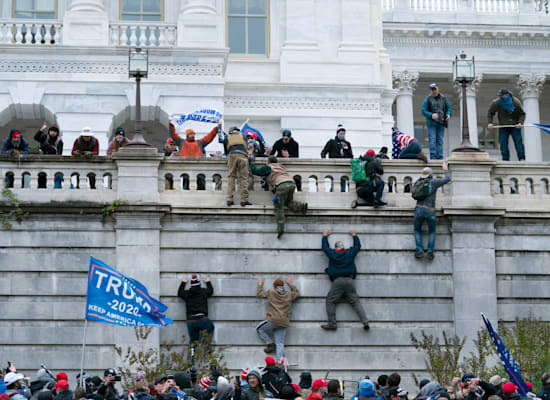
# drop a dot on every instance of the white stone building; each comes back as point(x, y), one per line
point(304, 65)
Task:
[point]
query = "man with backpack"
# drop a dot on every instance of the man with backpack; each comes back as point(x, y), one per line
point(12, 380)
point(364, 172)
point(423, 192)
point(274, 377)
point(437, 110)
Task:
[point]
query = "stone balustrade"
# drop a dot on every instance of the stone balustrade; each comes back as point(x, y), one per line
point(323, 183)
point(143, 34)
point(30, 32)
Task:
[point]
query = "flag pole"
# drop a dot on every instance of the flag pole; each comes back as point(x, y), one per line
point(83, 353)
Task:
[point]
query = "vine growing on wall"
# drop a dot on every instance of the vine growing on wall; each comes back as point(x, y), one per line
point(110, 209)
point(14, 210)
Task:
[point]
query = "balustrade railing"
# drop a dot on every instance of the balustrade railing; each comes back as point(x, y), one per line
point(30, 32)
point(542, 7)
point(144, 34)
point(433, 5)
point(497, 6)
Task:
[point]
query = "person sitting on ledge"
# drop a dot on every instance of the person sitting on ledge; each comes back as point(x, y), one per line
point(86, 144)
point(372, 183)
point(405, 146)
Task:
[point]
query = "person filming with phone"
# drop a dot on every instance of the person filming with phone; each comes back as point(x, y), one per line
point(107, 388)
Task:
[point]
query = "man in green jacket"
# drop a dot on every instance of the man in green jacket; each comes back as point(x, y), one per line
point(283, 186)
point(510, 112)
point(279, 302)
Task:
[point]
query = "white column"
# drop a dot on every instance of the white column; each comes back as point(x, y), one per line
point(471, 102)
point(86, 24)
point(201, 24)
point(405, 82)
point(530, 88)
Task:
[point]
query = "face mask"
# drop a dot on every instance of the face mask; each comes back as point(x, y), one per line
point(341, 136)
point(280, 289)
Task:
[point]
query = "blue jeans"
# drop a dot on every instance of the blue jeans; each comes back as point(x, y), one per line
point(411, 151)
point(265, 329)
point(367, 191)
point(503, 136)
point(436, 134)
point(196, 327)
point(421, 215)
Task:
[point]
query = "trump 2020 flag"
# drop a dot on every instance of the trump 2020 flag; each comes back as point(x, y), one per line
point(114, 298)
point(246, 129)
point(510, 365)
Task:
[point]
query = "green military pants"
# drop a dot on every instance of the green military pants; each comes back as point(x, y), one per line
point(284, 193)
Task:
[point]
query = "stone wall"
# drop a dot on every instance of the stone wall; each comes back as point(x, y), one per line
point(489, 259)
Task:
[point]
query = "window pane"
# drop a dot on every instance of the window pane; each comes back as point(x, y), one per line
point(237, 35)
point(256, 7)
point(23, 5)
point(130, 17)
point(256, 35)
point(151, 6)
point(236, 6)
point(23, 15)
point(44, 5)
point(151, 18)
point(131, 5)
point(48, 15)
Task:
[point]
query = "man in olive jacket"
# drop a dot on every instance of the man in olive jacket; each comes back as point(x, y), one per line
point(510, 112)
point(279, 302)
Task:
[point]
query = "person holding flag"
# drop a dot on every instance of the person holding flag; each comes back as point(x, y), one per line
point(510, 112)
point(189, 147)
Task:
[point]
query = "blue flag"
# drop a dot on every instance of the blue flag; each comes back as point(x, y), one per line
point(510, 365)
point(205, 115)
point(246, 129)
point(116, 299)
point(544, 127)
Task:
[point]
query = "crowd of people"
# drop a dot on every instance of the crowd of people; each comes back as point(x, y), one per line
point(265, 381)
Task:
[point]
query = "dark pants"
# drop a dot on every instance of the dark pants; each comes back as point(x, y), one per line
point(435, 141)
point(195, 327)
point(503, 138)
point(411, 151)
point(366, 192)
point(421, 215)
point(344, 288)
point(284, 196)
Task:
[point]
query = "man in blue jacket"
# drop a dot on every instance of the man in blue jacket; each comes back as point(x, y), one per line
point(342, 271)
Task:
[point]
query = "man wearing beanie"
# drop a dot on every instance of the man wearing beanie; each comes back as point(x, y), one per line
point(189, 147)
point(196, 304)
point(120, 140)
point(510, 112)
point(279, 302)
point(50, 141)
point(255, 391)
point(285, 147)
point(15, 144)
point(425, 211)
point(366, 189)
point(366, 391)
point(338, 147)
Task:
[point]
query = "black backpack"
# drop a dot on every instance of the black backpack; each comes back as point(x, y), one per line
point(274, 381)
point(422, 188)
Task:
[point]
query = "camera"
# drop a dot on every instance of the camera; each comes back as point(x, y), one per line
point(118, 378)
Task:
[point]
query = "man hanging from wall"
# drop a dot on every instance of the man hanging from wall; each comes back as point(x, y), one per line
point(283, 186)
point(279, 301)
point(342, 272)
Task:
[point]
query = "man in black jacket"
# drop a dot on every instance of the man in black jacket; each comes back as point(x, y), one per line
point(338, 147)
point(373, 184)
point(196, 302)
point(285, 146)
point(544, 392)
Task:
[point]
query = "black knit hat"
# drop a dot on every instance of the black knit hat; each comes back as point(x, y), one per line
point(120, 131)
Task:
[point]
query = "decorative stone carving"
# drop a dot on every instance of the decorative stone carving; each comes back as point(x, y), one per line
point(307, 103)
point(405, 81)
point(471, 88)
point(531, 85)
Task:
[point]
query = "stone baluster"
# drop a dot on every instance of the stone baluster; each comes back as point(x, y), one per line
point(143, 36)
point(124, 35)
point(57, 34)
point(48, 34)
point(530, 88)
point(3, 33)
point(115, 35)
point(162, 36)
point(133, 36)
point(171, 36)
point(471, 92)
point(19, 33)
point(405, 82)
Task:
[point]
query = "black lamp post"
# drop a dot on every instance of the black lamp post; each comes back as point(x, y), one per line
point(138, 68)
point(464, 73)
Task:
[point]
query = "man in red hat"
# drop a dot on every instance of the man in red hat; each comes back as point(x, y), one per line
point(196, 303)
point(274, 378)
point(509, 391)
point(318, 389)
point(15, 144)
point(372, 184)
point(62, 391)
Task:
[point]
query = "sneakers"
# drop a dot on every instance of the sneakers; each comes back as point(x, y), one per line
point(422, 156)
point(366, 326)
point(270, 348)
point(379, 203)
point(329, 327)
point(419, 254)
point(230, 203)
point(245, 203)
point(354, 204)
point(429, 255)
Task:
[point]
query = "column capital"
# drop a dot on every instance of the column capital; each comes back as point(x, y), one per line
point(531, 85)
point(471, 88)
point(405, 81)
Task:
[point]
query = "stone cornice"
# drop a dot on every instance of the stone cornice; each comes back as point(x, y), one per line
point(405, 81)
point(115, 68)
point(303, 103)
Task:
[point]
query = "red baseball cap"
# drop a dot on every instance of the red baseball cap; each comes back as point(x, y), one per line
point(508, 389)
point(61, 376)
point(16, 135)
point(318, 383)
point(370, 152)
point(269, 361)
point(61, 384)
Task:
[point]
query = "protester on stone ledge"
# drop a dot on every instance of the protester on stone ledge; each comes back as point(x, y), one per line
point(406, 147)
point(237, 165)
point(372, 184)
point(285, 147)
point(120, 140)
point(49, 139)
point(383, 153)
point(279, 302)
point(189, 147)
point(15, 144)
point(86, 144)
point(338, 147)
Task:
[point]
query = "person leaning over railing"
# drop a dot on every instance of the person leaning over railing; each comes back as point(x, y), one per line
point(120, 140)
point(15, 144)
point(50, 139)
point(86, 144)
